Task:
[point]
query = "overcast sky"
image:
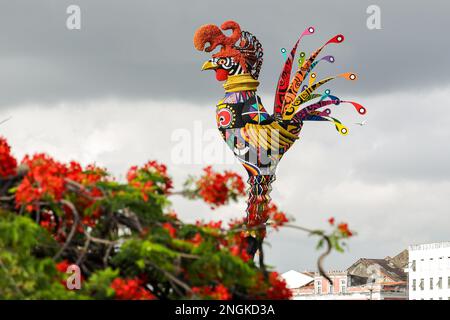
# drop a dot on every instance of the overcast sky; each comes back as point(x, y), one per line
point(118, 91)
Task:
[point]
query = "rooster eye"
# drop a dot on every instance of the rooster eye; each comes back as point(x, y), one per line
point(221, 61)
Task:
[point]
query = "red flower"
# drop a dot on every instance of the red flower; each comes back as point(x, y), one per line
point(343, 228)
point(8, 163)
point(132, 173)
point(62, 266)
point(144, 187)
point(218, 292)
point(172, 231)
point(278, 289)
point(240, 251)
point(196, 240)
point(47, 220)
point(278, 217)
point(216, 189)
point(130, 289)
point(275, 289)
point(331, 221)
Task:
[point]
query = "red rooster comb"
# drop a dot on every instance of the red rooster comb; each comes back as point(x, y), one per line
point(248, 52)
point(210, 33)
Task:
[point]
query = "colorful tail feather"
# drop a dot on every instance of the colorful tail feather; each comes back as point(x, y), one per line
point(288, 99)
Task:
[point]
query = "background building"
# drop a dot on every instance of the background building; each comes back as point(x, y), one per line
point(366, 279)
point(429, 271)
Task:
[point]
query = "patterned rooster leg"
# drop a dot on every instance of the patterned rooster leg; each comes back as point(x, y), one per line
point(257, 209)
point(257, 138)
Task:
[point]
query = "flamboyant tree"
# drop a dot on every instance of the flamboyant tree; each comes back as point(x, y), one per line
point(125, 236)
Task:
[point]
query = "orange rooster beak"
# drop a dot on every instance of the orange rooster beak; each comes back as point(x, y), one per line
point(208, 65)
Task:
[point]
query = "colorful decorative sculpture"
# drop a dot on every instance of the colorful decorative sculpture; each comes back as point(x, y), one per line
point(260, 139)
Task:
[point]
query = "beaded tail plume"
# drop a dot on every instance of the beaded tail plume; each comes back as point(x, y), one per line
point(257, 138)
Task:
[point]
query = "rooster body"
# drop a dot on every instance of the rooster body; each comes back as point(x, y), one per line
point(259, 139)
point(255, 137)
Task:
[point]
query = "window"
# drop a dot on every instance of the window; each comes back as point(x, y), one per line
point(439, 284)
point(319, 287)
point(431, 283)
point(331, 289)
point(413, 266)
point(343, 286)
point(414, 285)
point(422, 284)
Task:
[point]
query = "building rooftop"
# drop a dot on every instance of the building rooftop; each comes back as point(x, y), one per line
point(362, 268)
point(295, 279)
point(429, 246)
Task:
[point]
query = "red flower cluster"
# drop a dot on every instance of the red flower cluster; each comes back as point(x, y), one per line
point(216, 188)
point(8, 163)
point(218, 292)
point(344, 230)
point(236, 223)
point(196, 240)
point(172, 231)
point(44, 180)
point(240, 251)
point(278, 289)
point(211, 224)
point(62, 266)
point(151, 177)
point(47, 220)
point(278, 217)
point(130, 289)
point(144, 187)
point(87, 177)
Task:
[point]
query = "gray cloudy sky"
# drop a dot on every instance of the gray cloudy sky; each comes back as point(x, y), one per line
point(115, 91)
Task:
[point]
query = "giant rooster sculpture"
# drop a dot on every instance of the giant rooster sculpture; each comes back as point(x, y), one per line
point(260, 139)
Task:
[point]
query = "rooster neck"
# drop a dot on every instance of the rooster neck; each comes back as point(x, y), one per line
point(240, 82)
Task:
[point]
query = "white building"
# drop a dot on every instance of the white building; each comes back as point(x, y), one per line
point(429, 271)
